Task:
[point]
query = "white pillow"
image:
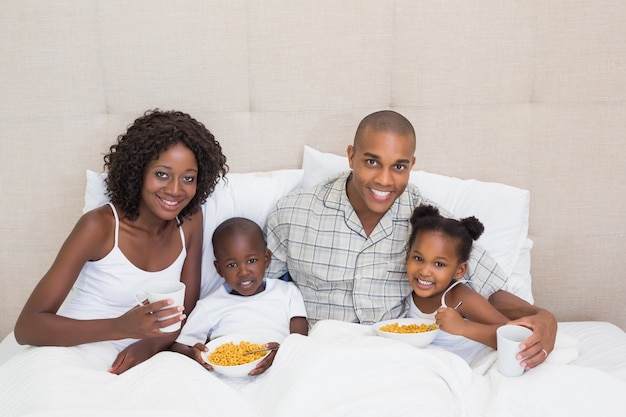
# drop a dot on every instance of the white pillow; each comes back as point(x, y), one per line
point(319, 166)
point(250, 195)
point(520, 280)
point(95, 191)
point(503, 210)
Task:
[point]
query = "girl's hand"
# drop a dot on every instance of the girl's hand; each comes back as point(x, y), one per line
point(143, 321)
point(267, 361)
point(449, 320)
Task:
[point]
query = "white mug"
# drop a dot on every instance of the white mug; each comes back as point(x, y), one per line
point(509, 338)
point(162, 290)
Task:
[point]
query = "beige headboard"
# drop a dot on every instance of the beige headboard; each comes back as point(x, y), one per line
point(528, 93)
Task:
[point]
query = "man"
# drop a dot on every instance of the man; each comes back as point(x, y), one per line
point(344, 241)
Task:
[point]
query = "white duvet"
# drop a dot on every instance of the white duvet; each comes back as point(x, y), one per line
point(339, 370)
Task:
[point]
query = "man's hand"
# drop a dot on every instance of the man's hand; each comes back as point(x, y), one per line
point(538, 346)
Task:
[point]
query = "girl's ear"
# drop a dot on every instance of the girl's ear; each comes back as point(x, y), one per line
point(460, 271)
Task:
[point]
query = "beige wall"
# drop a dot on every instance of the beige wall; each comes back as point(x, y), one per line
point(528, 93)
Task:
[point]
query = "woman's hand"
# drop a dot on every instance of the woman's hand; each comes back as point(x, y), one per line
point(141, 322)
point(145, 321)
point(139, 352)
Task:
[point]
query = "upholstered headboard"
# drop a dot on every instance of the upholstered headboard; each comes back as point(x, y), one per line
point(530, 94)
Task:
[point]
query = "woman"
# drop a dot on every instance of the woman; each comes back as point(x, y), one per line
point(159, 173)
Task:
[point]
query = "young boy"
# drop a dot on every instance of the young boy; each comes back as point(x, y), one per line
point(247, 302)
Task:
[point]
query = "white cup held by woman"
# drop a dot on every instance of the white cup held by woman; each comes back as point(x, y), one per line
point(162, 290)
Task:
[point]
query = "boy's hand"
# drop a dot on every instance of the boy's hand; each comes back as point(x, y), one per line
point(267, 361)
point(196, 353)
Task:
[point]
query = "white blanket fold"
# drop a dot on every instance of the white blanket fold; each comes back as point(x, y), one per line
point(339, 370)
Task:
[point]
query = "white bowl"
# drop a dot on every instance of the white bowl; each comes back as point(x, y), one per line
point(416, 339)
point(237, 370)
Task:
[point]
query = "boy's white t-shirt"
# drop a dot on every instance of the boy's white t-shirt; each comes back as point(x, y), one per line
point(221, 313)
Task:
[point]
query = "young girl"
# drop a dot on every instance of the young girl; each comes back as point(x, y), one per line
point(439, 248)
point(247, 302)
point(159, 173)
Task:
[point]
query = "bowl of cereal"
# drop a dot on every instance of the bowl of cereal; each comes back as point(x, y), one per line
point(231, 355)
point(415, 331)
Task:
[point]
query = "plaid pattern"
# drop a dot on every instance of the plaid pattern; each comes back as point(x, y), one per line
point(316, 236)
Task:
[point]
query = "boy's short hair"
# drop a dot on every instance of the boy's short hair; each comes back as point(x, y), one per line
point(237, 225)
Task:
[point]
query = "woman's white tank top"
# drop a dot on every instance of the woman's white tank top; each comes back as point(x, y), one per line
point(106, 288)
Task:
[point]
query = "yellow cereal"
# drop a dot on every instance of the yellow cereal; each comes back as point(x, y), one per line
point(231, 354)
point(408, 328)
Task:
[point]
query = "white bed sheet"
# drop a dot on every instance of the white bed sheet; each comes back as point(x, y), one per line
point(602, 346)
point(340, 369)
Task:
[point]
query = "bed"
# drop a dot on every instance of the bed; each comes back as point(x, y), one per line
point(340, 368)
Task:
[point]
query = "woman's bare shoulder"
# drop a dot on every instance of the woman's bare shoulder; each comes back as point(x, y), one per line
point(193, 223)
point(95, 230)
point(99, 218)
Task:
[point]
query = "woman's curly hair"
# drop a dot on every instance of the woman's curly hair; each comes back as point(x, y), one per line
point(144, 141)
